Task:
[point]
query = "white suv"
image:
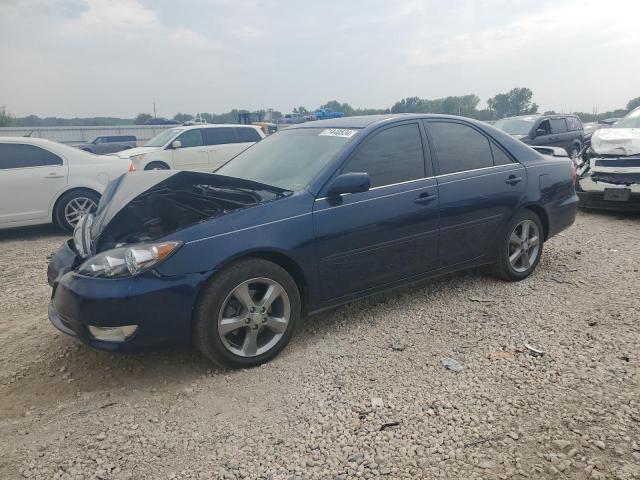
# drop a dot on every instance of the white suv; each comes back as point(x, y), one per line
point(198, 147)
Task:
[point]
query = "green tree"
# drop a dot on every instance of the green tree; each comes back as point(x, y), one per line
point(517, 101)
point(141, 118)
point(182, 117)
point(6, 120)
point(633, 103)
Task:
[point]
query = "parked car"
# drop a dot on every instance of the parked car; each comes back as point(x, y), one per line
point(609, 169)
point(327, 113)
point(291, 119)
point(43, 181)
point(591, 127)
point(109, 144)
point(311, 217)
point(200, 147)
point(563, 131)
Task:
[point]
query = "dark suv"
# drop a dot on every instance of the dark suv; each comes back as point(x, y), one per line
point(109, 144)
point(563, 131)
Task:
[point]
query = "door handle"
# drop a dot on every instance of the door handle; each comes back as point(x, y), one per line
point(54, 175)
point(512, 180)
point(424, 198)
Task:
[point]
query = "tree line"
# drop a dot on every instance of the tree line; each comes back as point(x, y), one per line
point(517, 101)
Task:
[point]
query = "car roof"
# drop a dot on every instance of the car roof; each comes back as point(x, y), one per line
point(364, 121)
point(212, 125)
point(32, 140)
point(535, 116)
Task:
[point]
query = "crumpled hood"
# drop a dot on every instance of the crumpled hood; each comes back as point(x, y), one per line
point(135, 151)
point(143, 206)
point(616, 141)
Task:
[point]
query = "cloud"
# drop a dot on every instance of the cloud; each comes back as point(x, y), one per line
point(114, 57)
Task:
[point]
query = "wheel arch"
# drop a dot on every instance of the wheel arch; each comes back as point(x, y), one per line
point(542, 215)
point(52, 213)
point(157, 161)
point(275, 256)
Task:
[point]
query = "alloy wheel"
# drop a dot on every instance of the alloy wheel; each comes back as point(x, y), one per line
point(254, 317)
point(524, 246)
point(77, 208)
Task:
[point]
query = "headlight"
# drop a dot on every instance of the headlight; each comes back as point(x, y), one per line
point(127, 261)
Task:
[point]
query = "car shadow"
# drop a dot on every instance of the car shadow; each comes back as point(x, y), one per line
point(31, 233)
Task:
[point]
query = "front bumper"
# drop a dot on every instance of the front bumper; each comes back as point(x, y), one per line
point(160, 306)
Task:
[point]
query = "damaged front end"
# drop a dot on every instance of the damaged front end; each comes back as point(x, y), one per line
point(125, 236)
point(608, 171)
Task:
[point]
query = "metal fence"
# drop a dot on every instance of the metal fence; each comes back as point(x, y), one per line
point(76, 135)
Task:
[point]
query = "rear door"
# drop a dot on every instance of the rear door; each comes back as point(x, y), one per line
point(192, 154)
point(390, 232)
point(560, 135)
point(221, 146)
point(30, 177)
point(479, 187)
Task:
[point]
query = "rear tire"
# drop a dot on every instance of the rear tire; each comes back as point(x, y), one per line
point(247, 314)
point(520, 247)
point(71, 206)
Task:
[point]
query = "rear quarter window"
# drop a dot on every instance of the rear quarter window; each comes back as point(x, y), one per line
point(574, 124)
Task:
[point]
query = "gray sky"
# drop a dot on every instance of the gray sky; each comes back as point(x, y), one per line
point(115, 57)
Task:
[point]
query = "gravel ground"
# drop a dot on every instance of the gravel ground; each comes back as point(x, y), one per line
point(361, 392)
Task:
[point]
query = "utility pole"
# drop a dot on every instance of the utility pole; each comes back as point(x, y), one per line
point(154, 110)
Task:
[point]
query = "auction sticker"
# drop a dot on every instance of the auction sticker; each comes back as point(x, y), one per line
point(338, 132)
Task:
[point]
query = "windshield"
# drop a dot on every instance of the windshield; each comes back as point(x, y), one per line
point(161, 139)
point(290, 158)
point(515, 126)
point(630, 121)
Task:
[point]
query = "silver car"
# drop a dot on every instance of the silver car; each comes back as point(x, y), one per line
point(109, 144)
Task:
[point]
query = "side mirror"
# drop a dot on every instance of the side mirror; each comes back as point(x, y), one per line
point(540, 132)
point(176, 144)
point(350, 183)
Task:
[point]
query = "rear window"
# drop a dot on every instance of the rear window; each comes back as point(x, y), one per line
point(16, 155)
point(247, 135)
point(459, 147)
point(558, 125)
point(219, 136)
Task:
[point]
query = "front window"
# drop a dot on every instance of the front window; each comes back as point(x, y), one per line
point(515, 126)
point(630, 121)
point(289, 159)
point(163, 138)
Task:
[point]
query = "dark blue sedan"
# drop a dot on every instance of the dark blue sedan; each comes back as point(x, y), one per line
point(313, 216)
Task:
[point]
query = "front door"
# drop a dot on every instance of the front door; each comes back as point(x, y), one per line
point(368, 239)
point(30, 177)
point(192, 154)
point(479, 186)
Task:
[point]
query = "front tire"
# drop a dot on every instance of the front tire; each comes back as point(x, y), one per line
point(520, 247)
point(72, 206)
point(247, 314)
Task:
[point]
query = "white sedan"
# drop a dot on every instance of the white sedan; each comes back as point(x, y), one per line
point(43, 181)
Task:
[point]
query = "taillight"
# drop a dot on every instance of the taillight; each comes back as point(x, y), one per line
point(132, 167)
point(573, 173)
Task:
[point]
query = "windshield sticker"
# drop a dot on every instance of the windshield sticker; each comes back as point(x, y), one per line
point(338, 132)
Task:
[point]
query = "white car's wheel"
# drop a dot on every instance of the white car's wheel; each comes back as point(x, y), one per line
point(72, 206)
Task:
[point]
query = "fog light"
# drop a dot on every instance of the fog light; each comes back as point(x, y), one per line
point(113, 334)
